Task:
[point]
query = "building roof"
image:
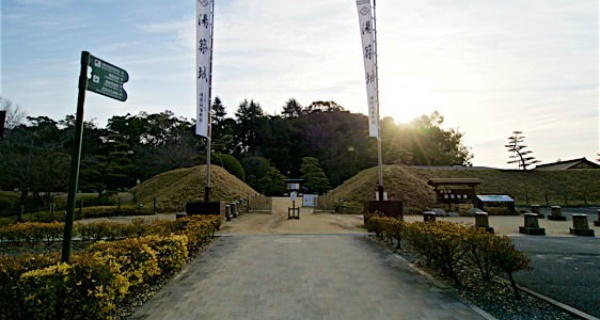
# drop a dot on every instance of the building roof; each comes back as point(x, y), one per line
point(581, 163)
point(494, 198)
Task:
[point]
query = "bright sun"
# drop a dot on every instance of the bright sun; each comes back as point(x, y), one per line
point(405, 100)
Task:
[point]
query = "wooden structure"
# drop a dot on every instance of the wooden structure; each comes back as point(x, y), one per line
point(293, 185)
point(455, 191)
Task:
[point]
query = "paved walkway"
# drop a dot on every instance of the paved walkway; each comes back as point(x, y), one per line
point(301, 277)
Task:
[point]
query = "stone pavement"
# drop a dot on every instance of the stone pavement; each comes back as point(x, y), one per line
point(301, 277)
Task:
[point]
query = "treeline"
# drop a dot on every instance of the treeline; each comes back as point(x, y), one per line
point(258, 148)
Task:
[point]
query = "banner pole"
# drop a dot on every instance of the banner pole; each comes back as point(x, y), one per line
point(209, 122)
point(379, 153)
point(76, 159)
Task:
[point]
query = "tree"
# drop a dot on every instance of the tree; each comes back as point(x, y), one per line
point(255, 168)
point(223, 129)
point(323, 106)
point(519, 154)
point(34, 160)
point(231, 164)
point(292, 108)
point(313, 176)
point(431, 145)
point(14, 114)
point(272, 183)
point(250, 121)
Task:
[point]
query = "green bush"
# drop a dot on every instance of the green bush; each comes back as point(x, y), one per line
point(102, 230)
point(199, 229)
point(171, 252)
point(85, 289)
point(111, 211)
point(11, 269)
point(137, 259)
point(453, 249)
point(32, 232)
point(95, 281)
point(231, 164)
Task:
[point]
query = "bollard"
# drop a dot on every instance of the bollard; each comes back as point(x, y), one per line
point(535, 208)
point(482, 221)
point(180, 215)
point(597, 222)
point(234, 212)
point(429, 216)
point(227, 212)
point(531, 225)
point(293, 213)
point(556, 214)
point(580, 226)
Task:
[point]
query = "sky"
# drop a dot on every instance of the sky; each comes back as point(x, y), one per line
point(489, 67)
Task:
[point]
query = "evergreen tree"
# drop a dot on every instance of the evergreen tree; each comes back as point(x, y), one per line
point(292, 108)
point(250, 120)
point(519, 154)
point(272, 183)
point(313, 176)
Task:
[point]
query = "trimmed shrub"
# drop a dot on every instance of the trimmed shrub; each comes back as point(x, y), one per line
point(11, 269)
point(453, 249)
point(88, 288)
point(171, 252)
point(137, 259)
point(91, 286)
point(32, 232)
point(231, 164)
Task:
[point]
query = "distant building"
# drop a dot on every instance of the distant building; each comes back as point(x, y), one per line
point(574, 164)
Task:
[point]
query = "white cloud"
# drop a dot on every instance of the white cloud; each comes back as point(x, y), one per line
point(490, 67)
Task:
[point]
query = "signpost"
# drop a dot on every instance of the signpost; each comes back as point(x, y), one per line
point(107, 80)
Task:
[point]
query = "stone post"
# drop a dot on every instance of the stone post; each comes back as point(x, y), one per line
point(535, 208)
point(556, 214)
point(531, 225)
point(482, 221)
point(429, 216)
point(597, 222)
point(228, 212)
point(234, 212)
point(580, 226)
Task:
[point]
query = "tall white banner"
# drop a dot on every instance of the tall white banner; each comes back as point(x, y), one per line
point(366, 19)
point(204, 27)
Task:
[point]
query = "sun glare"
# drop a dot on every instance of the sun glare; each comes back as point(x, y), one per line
point(406, 100)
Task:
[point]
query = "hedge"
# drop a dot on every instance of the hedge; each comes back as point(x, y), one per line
point(97, 280)
point(199, 229)
point(453, 249)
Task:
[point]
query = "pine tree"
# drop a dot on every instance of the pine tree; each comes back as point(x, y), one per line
point(313, 176)
point(520, 155)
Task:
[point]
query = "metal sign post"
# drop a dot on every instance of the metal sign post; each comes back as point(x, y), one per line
point(107, 80)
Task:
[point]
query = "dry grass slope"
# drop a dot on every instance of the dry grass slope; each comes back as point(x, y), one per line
point(409, 184)
point(174, 189)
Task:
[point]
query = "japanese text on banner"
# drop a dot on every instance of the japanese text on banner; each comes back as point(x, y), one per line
point(203, 57)
point(367, 31)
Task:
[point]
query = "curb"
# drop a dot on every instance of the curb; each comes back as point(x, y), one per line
point(437, 283)
point(573, 311)
point(440, 285)
point(558, 304)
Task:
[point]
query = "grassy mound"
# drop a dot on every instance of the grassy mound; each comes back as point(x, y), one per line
point(174, 189)
point(409, 184)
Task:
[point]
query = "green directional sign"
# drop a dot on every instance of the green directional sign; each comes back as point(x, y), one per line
point(107, 79)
